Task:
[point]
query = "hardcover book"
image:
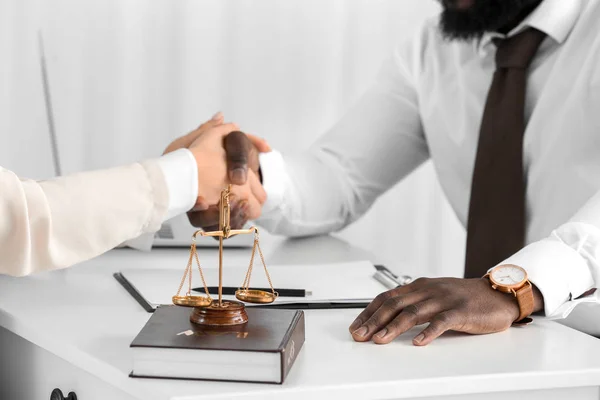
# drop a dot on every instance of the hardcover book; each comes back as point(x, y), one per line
point(262, 350)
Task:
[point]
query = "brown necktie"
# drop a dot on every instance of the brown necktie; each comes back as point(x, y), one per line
point(496, 225)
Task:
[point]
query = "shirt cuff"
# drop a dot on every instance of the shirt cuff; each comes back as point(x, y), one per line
point(558, 271)
point(181, 175)
point(274, 178)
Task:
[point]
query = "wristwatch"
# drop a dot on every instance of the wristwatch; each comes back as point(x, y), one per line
point(513, 279)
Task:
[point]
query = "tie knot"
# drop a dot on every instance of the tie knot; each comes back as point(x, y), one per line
point(518, 51)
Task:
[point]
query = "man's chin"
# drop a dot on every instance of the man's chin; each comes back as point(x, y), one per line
point(469, 19)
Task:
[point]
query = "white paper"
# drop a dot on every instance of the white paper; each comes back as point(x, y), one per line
point(350, 281)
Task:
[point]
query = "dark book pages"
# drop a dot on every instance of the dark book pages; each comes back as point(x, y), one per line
point(263, 350)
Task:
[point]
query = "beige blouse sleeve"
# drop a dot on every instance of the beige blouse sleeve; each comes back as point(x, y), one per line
point(57, 223)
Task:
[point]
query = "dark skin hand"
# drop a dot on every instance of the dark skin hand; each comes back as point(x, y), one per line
point(462, 305)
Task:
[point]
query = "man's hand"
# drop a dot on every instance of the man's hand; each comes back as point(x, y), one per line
point(464, 305)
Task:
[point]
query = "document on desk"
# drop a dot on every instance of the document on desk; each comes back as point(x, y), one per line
point(349, 282)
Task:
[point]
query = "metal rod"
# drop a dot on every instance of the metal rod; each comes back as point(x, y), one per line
point(220, 271)
point(212, 234)
point(234, 232)
point(221, 226)
point(49, 109)
point(224, 228)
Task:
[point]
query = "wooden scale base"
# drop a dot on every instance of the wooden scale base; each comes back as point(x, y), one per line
point(227, 314)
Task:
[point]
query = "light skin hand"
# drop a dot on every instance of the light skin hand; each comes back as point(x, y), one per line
point(243, 166)
point(463, 305)
point(186, 141)
point(209, 153)
point(240, 150)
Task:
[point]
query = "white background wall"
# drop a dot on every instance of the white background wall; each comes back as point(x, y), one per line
point(128, 76)
point(24, 140)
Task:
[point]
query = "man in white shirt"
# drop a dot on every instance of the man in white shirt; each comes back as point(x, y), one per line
point(435, 98)
point(57, 223)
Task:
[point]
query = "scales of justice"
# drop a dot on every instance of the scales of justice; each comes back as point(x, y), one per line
point(211, 312)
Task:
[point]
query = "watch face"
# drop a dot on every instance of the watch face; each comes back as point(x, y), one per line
point(508, 275)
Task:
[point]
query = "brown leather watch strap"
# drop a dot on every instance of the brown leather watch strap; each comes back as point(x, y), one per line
point(525, 300)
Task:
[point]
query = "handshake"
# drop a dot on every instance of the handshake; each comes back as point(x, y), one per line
point(224, 155)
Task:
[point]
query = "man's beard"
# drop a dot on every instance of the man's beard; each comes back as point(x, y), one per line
point(482, 16)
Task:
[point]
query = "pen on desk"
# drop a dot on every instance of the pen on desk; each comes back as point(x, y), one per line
point(282, 292)
point(391, 281)
point(401, 280)
point(385, 280)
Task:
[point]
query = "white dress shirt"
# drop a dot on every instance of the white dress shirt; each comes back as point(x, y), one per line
point(428, 102)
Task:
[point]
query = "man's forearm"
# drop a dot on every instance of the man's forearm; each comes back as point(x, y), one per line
point(565, 267)
point(306, 195)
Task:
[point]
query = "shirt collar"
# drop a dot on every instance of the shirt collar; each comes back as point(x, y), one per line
point(556, 18)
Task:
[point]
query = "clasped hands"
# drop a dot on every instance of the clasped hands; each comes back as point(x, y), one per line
point(225, 155)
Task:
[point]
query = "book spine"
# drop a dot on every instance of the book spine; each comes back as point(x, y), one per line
point(293, 345)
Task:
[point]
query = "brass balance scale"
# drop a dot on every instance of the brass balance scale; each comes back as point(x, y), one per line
point(206, 310)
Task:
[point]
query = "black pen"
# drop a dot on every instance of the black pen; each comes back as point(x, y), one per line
point(313, 306)
point(232, 290)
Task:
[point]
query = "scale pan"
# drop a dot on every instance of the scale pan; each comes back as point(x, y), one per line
point(255, 296)
point(192, 301)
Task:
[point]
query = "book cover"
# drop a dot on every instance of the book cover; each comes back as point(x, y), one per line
point(262, 350)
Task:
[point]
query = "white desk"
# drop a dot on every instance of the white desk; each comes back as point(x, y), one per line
point(71, 330)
